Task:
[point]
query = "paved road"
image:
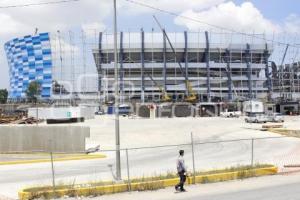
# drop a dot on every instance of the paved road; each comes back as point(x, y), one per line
point(279, 187)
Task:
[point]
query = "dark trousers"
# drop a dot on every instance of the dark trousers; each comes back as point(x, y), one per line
point(182, 180)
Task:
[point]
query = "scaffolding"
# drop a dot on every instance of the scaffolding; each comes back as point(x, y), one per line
point(220, 66)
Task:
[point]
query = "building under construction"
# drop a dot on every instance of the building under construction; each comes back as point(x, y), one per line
point(155, 67)
point(286, 81)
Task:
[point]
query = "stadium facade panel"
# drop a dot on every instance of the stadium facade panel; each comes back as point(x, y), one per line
point(29, 59)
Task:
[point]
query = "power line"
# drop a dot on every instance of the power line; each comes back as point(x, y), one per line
point(38, 4)
point(203, 22)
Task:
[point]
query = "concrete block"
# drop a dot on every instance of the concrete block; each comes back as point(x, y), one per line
point(28, 138)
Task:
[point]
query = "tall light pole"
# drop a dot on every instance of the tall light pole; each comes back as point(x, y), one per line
point(117, 129)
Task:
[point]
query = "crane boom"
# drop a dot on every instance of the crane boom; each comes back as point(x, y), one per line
point(165, 96)
point(172, 48)
point(191, 94)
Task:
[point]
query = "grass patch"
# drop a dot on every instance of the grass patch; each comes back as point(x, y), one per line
point(234, 169)
point(151, 183)
point(286, 132)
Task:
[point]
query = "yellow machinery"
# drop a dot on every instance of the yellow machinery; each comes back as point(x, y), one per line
point(191, 97)
point(165, 96)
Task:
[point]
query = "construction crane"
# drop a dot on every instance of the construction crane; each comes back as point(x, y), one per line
point(165, 96)
point(191, 95)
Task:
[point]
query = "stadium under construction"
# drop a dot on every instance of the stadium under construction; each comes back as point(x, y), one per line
point(191, 66)
point(155, 67)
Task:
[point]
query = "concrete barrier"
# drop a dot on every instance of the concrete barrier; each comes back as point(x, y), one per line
point(28, 138)
point(164, 110)
point(143, 110)
point(183, 110)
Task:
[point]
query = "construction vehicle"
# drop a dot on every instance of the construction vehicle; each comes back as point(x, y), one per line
point(191, 96)
point(165, 96)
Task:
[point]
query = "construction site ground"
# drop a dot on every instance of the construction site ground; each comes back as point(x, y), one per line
point(156, 132)
point(141, 132)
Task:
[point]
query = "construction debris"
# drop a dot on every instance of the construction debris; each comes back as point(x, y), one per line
point(27, 120)
point(8, 119)
point(18, 119)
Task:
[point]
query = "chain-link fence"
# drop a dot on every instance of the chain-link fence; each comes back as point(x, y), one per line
point(156, 161)
point(151, 161)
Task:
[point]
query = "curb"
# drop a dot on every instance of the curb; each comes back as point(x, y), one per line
point(25, 194)
point(76, 157)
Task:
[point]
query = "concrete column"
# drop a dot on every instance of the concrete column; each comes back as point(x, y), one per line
point(121, 58)
point(249, 71)
point(99, 62)
point(186, 58)
point(267, 71)
point(228, 70)
point(207, 67)
point(165, 62)
point(143, 66)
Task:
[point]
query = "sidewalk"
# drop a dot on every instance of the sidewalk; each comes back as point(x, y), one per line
point(277, 187)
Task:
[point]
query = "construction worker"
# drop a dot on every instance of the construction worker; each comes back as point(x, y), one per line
point(181, 170)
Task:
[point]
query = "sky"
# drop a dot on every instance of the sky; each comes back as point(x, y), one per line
point(271, 17)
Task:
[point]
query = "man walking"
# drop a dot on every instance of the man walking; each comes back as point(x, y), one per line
point(181, 172)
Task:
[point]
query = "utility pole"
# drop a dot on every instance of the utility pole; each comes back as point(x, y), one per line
point(117, 129)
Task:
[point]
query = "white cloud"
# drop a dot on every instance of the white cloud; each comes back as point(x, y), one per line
point(173, 6)
point(12, 26)
point(93, 26)
point(57, 16)
point(246, 18)
point(292, 24)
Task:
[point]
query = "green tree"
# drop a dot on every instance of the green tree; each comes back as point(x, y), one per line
point(3, 95)
point(33, 91)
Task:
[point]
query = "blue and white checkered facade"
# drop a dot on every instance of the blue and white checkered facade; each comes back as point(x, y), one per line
point(29, 59)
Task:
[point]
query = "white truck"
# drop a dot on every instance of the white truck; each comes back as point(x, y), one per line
point(253, 106)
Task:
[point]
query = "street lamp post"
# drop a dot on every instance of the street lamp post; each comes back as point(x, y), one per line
point(117, 129)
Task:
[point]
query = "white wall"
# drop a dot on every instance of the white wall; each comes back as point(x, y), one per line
point(62, 113)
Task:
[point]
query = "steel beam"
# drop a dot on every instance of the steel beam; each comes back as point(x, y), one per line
point(207, 67)
point(249, 70)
